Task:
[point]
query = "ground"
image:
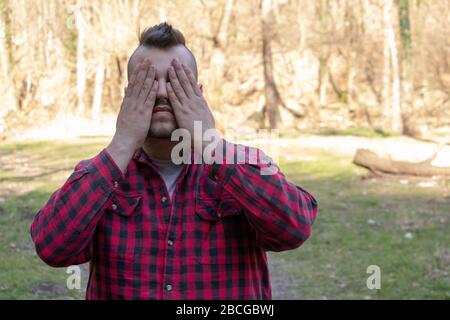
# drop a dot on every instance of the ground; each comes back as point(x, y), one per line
point(397, 223)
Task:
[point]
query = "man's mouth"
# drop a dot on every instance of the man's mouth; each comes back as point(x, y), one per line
point(162, 108)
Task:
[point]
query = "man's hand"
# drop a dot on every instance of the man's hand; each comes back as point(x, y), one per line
point(187, 100)
point(133, 121)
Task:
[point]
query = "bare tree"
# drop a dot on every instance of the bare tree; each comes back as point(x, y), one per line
point(98, 91)
point(81, 64)
point(318, 60)
point(220, 40)
point(392, 106)
point(7, 91)
point(323, 53)
point(271, 111)
point(406, 66)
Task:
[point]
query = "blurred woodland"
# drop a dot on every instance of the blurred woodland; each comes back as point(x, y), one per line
point(348, 83)
point(297, 64)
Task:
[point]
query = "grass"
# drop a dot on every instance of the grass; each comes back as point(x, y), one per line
point(351, 131)
point(364, 222)
point(361, 222)
point(359, 132)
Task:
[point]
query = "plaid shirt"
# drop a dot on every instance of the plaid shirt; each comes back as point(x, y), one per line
point(208, 242)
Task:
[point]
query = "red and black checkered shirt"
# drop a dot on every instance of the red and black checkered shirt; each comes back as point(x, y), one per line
point(208, 242)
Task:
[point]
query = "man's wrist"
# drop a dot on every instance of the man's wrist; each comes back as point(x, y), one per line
point(121, 152)
point(122, 145)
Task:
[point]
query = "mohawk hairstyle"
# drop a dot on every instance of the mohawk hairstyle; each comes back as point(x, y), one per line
point(162, 35)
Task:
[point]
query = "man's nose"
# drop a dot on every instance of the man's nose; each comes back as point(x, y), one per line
point(162, 92)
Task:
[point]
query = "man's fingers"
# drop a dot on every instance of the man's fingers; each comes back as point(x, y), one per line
point(132, 80)
point(151, 97)
point(174, 101)
point(128, 90)
point(175, 84)
point(192, 80)
point(141, 76)
point(187, 87)
point(147, 86)
point(145, 91)
point(134, 74)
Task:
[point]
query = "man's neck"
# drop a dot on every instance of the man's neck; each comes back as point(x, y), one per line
point(159, 148)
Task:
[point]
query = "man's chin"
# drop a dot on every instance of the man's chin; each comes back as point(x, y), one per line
point(160, 133)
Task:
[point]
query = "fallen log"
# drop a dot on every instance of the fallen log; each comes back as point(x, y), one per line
point(370, 160)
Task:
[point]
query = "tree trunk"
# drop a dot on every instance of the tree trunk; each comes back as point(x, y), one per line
point(373, 162)
point(303, 29)
point(406, 66)
point(97, 102)
point(405, 36)
point(81, 64)
point(218, 59)
point(387, 69)
point(389, 34)
point(7, 91)
point(421, 54)
point(323, 55)
point(351, 34)
point(271, 111)
point(162, 14)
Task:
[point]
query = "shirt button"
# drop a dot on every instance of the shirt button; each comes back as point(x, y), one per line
point(170, 242)
point(169, 287)
point(114, 206)
point(163, 199)
point(116, 184)
point(219, 215)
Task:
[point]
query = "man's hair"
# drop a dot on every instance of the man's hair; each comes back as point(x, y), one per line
point(162, 35)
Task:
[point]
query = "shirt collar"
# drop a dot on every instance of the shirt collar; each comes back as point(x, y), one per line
point(140, 156)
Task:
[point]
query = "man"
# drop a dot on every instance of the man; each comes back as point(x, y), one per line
point(153, 229)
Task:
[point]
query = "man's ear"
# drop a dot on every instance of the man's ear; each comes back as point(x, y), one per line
point(200, 85)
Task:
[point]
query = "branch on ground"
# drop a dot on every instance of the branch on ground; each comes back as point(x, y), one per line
point(375, 163)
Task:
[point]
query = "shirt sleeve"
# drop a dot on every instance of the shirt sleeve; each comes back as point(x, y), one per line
point(63, 229)
point(280, 212)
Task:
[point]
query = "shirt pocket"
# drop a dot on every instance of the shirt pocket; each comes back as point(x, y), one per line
point(218, 227)
point(214, 210)
point(118, 229)
point(124, 204)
